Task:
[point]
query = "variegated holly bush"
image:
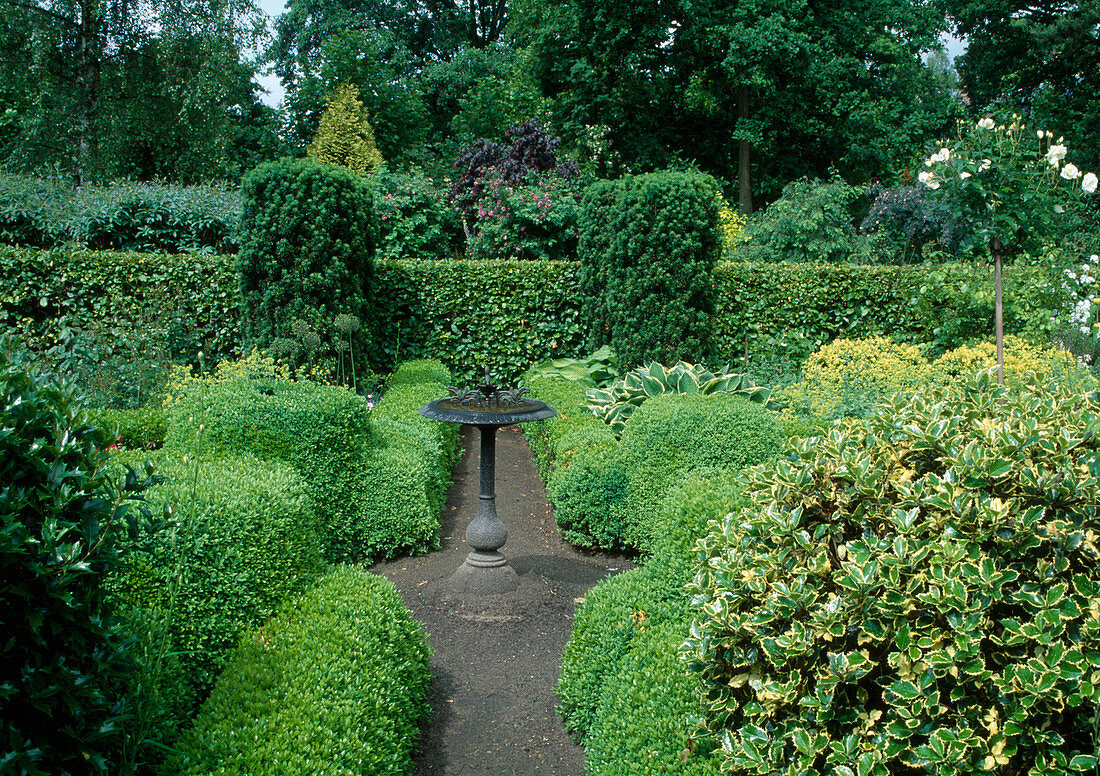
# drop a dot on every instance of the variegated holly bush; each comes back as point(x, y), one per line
point(616, 403)
point(915, 593)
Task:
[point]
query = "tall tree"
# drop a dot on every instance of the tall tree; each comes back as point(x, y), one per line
point(784, 89)
point(90, 61)
point(385, 47)
point(1039, 58)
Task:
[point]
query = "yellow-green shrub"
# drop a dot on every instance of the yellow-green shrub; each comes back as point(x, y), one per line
point(253, 366)
point(731, 226)
point(1020, 358)
point(848, 377)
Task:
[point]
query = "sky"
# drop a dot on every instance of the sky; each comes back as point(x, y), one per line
point(269, 82)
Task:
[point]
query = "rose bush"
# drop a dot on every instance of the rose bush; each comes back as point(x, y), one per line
point(1009, 185)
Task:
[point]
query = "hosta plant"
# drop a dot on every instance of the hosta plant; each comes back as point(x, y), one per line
point(596, 369)
point(916, 593)
point(616, 403)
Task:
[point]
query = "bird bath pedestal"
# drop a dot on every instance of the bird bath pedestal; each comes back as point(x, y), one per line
point(486, 570)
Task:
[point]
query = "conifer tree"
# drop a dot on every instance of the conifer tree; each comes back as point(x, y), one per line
point(344, 136)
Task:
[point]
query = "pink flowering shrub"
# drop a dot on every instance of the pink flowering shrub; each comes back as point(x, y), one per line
point(537, 220)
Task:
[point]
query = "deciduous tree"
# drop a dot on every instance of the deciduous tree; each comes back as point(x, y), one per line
point(82, 70)
point(784, 89)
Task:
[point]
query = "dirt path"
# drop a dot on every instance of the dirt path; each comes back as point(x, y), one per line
point(497, 660)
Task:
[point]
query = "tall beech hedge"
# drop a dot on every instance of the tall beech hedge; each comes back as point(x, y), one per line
point(508, 315)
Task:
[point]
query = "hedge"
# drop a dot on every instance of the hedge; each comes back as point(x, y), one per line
point(604, 490)
point(617, 688)
point(577, 457)
point(241, 536)
point(37, 212)
point(190, 302)
point(672, 435)
point(793, 309)
point(336, 684)
point(322, 431)
point(509, 315)
point(643, 727)
point(378, 477)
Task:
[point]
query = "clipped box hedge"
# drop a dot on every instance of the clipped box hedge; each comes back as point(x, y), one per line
point(378, 477)
point(137, 429)
point(604, 489)
point(511, 314)
point(323, 431)
point(619, 608)
point(623, 688)
point(337, 683)
point(643, 726)
point(240, 536)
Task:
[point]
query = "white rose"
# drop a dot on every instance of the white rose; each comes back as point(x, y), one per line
point(1088, 183)
point(929, 180)
point(964, 175)
point(1055, 154)
point(1040, 134)
point(985, 165)
point(986, 123)
point(1069, 172)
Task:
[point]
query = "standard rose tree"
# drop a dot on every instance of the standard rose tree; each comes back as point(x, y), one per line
point(1009, 184)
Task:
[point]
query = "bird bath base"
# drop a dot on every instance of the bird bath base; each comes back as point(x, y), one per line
point(486, 571)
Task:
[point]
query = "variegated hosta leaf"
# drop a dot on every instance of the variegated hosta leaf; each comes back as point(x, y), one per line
point(654, 379)
point(651, 386)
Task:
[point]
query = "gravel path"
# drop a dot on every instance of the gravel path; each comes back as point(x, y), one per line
point(497, 658)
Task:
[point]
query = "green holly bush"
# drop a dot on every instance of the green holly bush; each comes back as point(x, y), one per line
point(63, 654)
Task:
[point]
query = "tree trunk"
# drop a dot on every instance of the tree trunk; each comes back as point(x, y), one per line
point(998, 310)
point(87, 92)
point(744, 181)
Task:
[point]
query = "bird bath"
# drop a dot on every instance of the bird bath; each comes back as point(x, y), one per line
point(486, 570)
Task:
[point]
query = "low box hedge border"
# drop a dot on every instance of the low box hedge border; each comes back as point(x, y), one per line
point(337, 683)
